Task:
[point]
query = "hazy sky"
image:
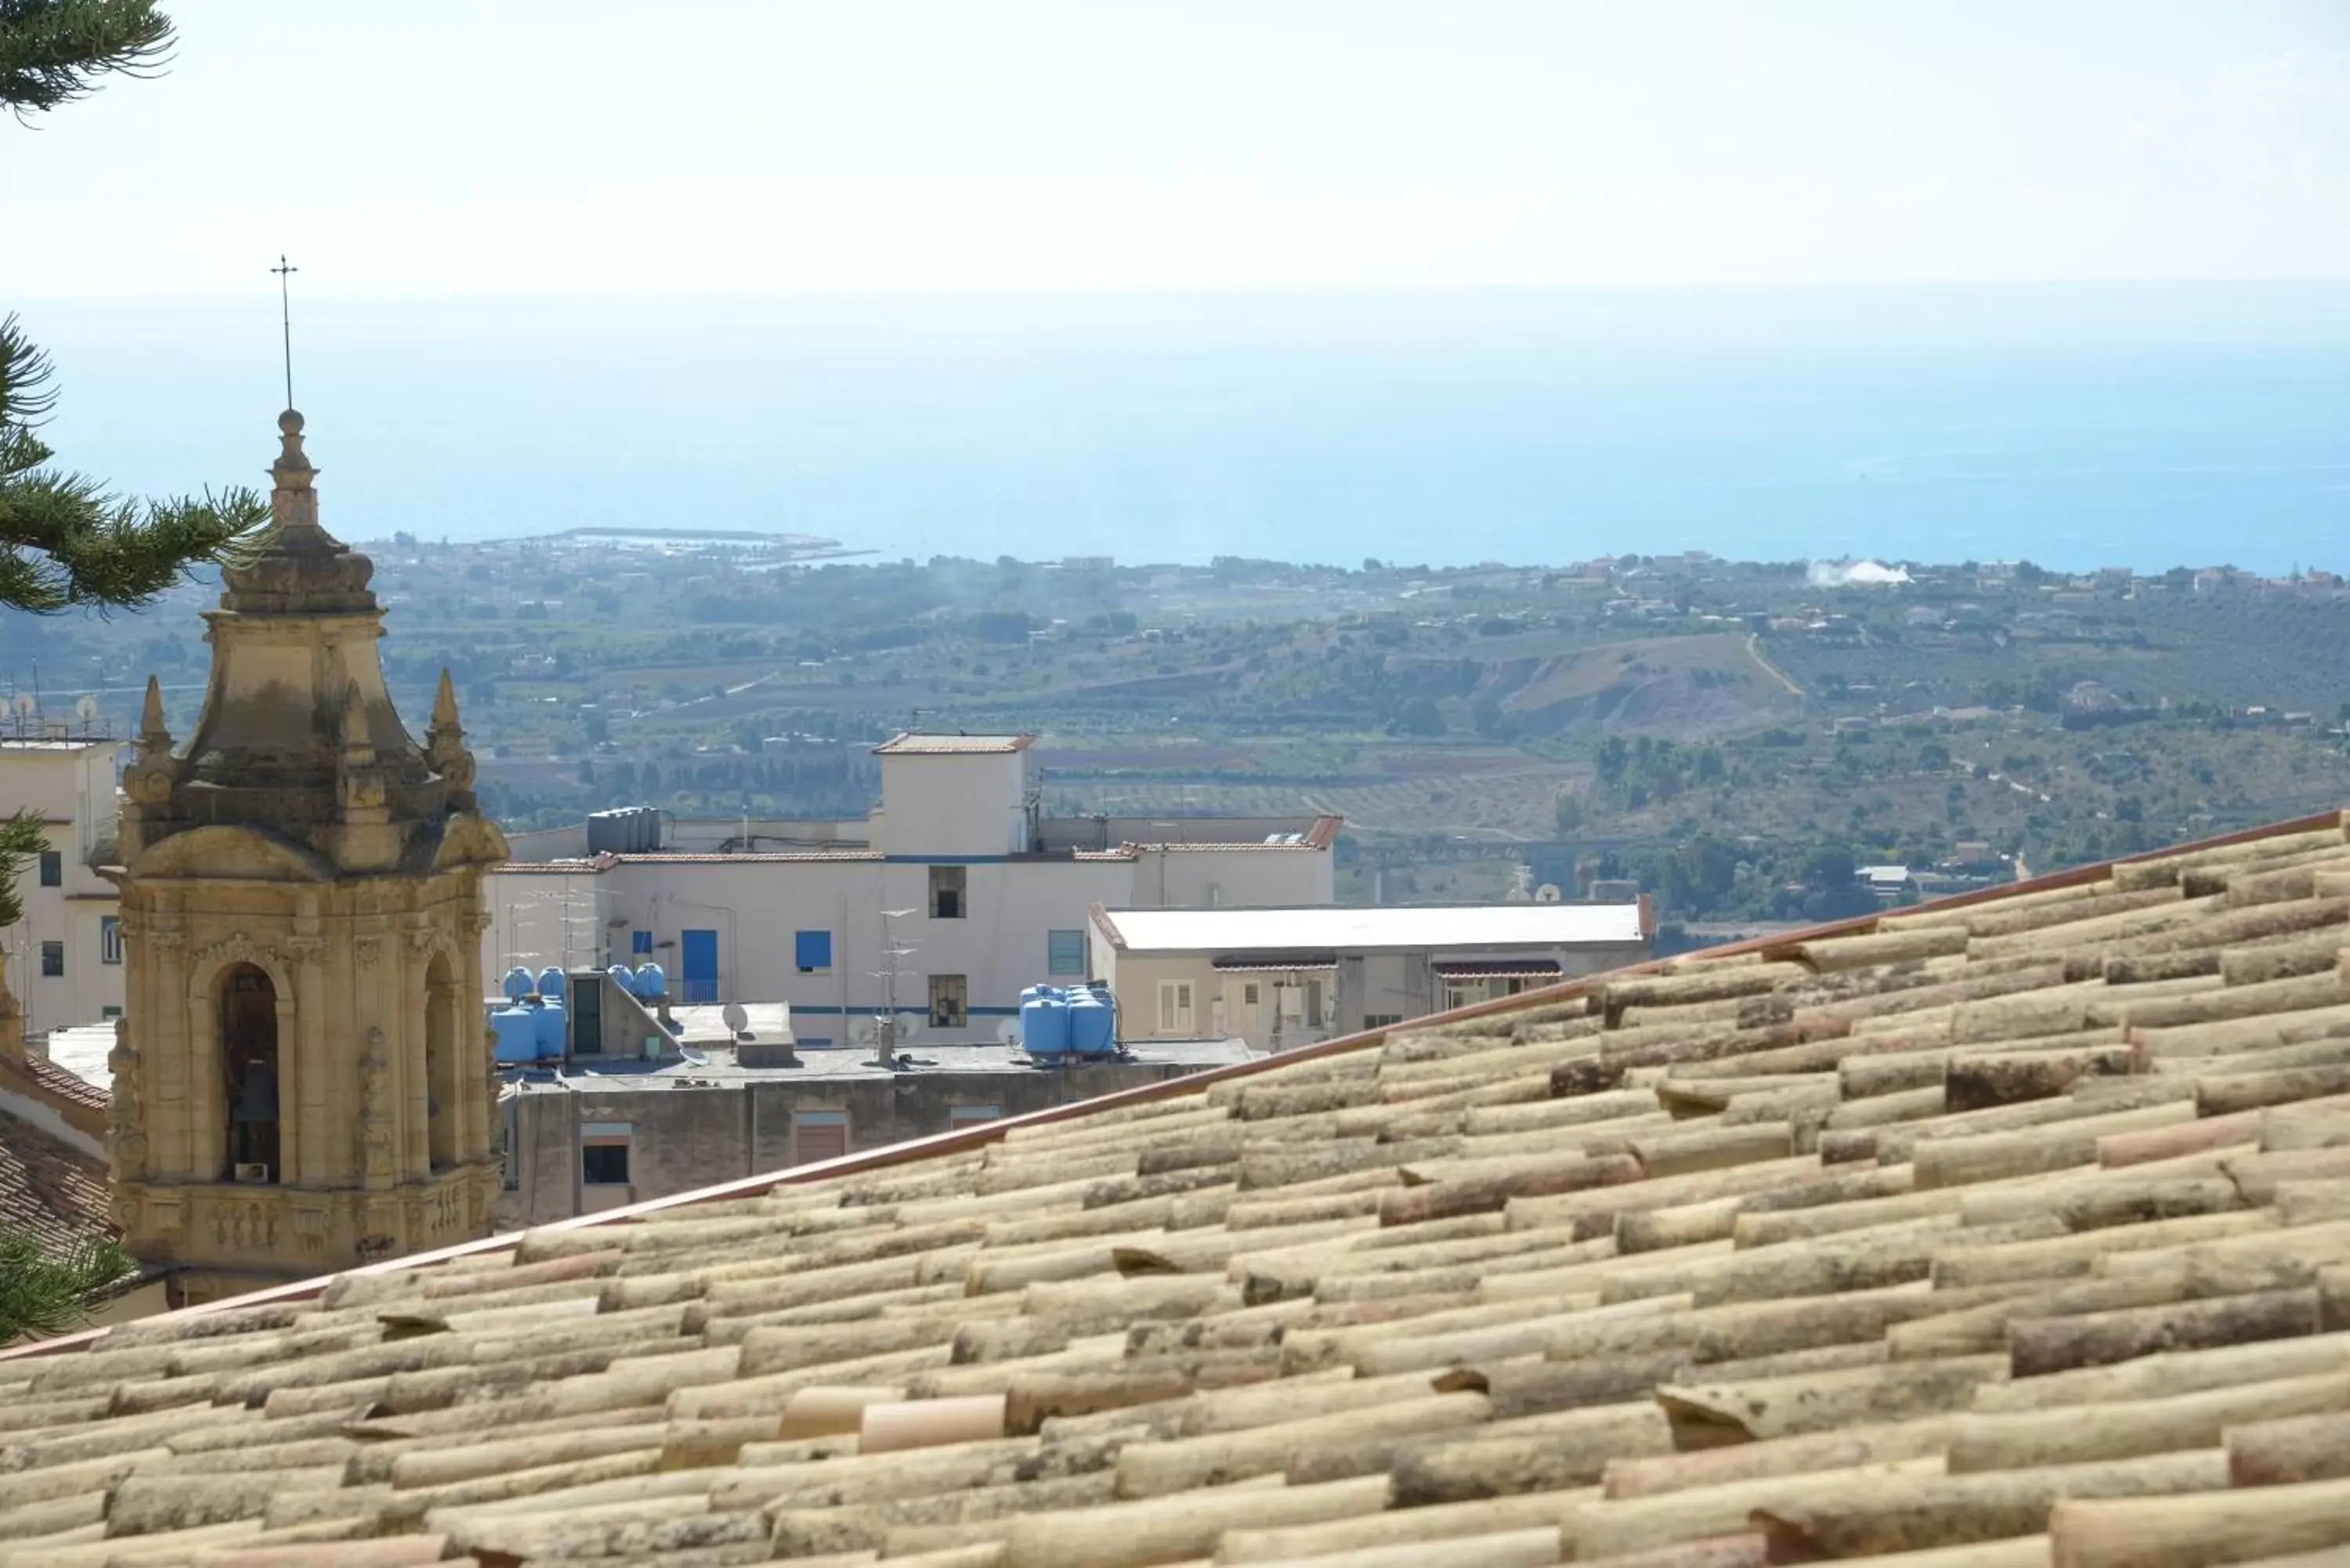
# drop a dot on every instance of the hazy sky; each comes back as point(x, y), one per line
point(459, 147)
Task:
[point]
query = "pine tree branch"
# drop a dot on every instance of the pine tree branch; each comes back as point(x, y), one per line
point(65, 542)
point(53, 51)
point(42, 1294)
point(22, 836)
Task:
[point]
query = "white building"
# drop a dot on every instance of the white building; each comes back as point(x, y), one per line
point(1279, 978)
point(63, 958)
point(941, 907)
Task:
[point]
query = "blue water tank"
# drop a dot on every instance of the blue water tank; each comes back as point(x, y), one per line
point(652, 984)
point(623, 977)
point(550, 983)
point(550, 1029)
point(513, 1034)
point(1043, 1022)
point(517, 984)
point(1093, 1022)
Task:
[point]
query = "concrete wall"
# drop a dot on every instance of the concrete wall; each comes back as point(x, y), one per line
point(681, 1140)
point(72, 785)
point(963, 803)
point(1237, 877)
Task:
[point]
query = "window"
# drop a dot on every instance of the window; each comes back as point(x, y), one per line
point(640, 943)
point(812, 952)
point(947, 900)
point(950, 1001)
point(963, 1116)
point(109, 1013)
point(818, 1135)
point(1381, 1019)
point(1463, 992)
point(109, 938)
point(53, 959)
point(1064, 952)
point(604, 1153)
point(1175, 1007)
point(53, 869)
point(1313, 1004)
point(1249, 995)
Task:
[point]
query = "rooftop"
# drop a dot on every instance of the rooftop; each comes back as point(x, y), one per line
point(918, 746)
point(77, 1060)
point(1330, 929)
point(720, 1067)
point(2013, 1227)
point(49, 1189)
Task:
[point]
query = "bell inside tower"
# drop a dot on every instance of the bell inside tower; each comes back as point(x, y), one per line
point(248, 1033)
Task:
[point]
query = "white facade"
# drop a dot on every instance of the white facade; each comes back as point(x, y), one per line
point(63, 960)
point(945, 904)
point(1280, 978)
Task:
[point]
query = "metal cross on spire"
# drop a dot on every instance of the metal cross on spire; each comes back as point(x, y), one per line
point(285, 321)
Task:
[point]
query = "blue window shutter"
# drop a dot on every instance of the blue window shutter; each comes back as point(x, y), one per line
point(640, 941)
point(1064, 952)
point(812, 950)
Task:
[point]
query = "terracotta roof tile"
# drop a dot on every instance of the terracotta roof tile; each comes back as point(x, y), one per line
point(2008, 1229)
point(47, 1186)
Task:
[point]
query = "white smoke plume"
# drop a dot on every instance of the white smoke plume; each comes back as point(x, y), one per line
point(1854, 573)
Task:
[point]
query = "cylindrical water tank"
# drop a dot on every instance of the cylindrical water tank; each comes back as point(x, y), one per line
point(551, 1020)
point(1043, 1022)
point(653, 983)
point(513, 1034)
point(550, 982)
point(623, 977)
point(517, 984)
point(1093, 1022)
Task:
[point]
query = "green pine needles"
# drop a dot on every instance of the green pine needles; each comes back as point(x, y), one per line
point(49, 1293)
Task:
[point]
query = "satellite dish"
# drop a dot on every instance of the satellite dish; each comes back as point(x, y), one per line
point(1548, 893)
point(1007, 1032)
point(87, 708)
point(736, 1019)
point(910, 1024)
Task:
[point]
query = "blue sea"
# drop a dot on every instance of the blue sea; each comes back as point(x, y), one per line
point(2079, 426)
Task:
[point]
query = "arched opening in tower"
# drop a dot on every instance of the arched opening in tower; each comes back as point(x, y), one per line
point(248, 1035)
point(441, 1062)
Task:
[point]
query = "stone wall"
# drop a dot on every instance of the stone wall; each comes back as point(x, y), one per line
point(683, 1138)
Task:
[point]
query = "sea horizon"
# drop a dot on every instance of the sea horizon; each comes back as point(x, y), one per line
point(2078, 425)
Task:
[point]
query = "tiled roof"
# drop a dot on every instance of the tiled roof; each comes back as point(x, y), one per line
point(65, 1084)
point(48, 1187)
point(2011, 1231)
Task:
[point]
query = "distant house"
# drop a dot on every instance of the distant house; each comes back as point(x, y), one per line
point(1886, 883)
point(1279, 978)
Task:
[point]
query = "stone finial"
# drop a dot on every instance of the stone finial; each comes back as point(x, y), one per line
point(445, 745)
point(296, 565)
point(153, 734)
point(293, 494)
point(444, 705)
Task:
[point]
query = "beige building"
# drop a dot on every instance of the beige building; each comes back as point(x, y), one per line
point(63, 960)
point(301, 1080)
point(939, 908)
point(1278, 979)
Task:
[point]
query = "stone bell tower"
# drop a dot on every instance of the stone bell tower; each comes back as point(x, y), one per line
point(302, 1075)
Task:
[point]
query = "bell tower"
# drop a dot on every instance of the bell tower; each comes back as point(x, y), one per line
point(302, 1076)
